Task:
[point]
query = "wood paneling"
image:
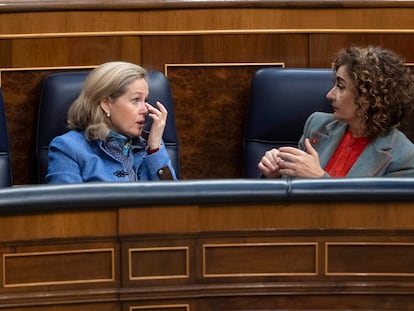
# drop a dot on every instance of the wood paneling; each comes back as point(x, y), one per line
point(68, 51)
point(193, 20)
point(210, 104)
point(370, 259)
point(50, 5)
point(235, 257)
point(18, 227)
point(290, 49)
point(260, 259)
point(81, 266)
point(324, 46)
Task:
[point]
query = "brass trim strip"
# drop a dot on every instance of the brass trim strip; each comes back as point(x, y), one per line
point(315, 244)
point(186, 306)
point(327, 244)
point(151, 249)
point(111, 279)
point(204, 32)
point(46, 68)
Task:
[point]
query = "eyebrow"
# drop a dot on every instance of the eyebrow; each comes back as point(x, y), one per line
point(340, 79)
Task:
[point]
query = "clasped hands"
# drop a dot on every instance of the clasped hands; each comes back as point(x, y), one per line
point(291, 161)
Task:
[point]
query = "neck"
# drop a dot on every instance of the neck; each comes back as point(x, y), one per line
point(357, 130)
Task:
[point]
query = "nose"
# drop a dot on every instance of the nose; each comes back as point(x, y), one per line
point(331, 94)
point(144, 108)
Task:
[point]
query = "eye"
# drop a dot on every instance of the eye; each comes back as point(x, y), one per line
point(340, 86)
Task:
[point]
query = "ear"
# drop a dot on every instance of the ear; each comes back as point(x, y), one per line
point(105, 105)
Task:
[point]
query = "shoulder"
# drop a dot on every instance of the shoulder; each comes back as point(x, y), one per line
point(395, 143)
point(69, 137)
point(399, 140)
point(321, 117)
point(319, 120)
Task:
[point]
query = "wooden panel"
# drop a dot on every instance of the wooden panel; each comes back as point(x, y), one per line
point(45, 5)
point(58, 267)
point(308, 301)
point(58, 225)
point(159, 263)
point(69, 51)
point(260, 259)
point(195, 20)
point(323, 47)
point(370, 259)
point(290, 49)
point(86, 306)
point(210, 104)
point(219, 217)
point(146, 220)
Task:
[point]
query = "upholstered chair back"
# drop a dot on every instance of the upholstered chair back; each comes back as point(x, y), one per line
point(5, 154)
point(280, 101)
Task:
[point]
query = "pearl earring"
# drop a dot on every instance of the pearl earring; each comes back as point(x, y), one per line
point(108, 114)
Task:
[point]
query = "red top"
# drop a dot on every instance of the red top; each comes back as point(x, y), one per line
point(346, 154)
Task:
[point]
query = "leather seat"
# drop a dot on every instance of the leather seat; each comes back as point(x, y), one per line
point(280, 101)
point(5, 155)
point(58, 92)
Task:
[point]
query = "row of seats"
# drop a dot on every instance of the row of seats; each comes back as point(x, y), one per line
point(280, 101)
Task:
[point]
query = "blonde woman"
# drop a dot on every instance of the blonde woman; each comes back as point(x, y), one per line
point(106, 141)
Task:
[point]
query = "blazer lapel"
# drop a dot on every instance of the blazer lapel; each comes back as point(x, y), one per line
point(328, 140)
point(373, 159)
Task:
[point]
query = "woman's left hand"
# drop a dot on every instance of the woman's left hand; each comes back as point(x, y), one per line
point(159, 120)
point(299, 163)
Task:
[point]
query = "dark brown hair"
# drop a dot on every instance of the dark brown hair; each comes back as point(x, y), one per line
point(384, 85)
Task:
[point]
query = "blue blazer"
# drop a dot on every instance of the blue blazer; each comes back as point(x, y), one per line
point(72, 159)
point(391, 155)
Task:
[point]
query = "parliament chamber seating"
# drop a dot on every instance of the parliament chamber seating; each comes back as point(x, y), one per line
point(218, 244)
point(280, 101)
point(5, 154)
point(59, 90)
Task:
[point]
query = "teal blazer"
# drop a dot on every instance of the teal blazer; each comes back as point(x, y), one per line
point(391, 155)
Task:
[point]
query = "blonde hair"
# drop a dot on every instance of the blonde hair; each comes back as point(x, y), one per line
point(109, 80)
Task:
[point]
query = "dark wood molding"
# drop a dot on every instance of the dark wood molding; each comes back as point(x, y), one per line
point(102, 5)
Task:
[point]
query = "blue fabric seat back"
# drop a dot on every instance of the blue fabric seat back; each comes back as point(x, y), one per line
point(5, 154)
point(58, 92)
point(280, 101)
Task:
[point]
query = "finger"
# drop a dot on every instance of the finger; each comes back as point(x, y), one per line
point(309, 148)
point(267, 164)
point(273, 154)
point(161, 107)
point(290, 150)
point(288, 157)
point(152, 109)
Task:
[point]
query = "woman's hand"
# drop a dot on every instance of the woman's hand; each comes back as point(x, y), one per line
point(298, 163)
point(159, 120)
point(269, 164)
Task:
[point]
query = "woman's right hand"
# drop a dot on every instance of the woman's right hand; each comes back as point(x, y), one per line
point(269, 164)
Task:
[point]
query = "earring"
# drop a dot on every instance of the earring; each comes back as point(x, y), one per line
point(108, 114)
